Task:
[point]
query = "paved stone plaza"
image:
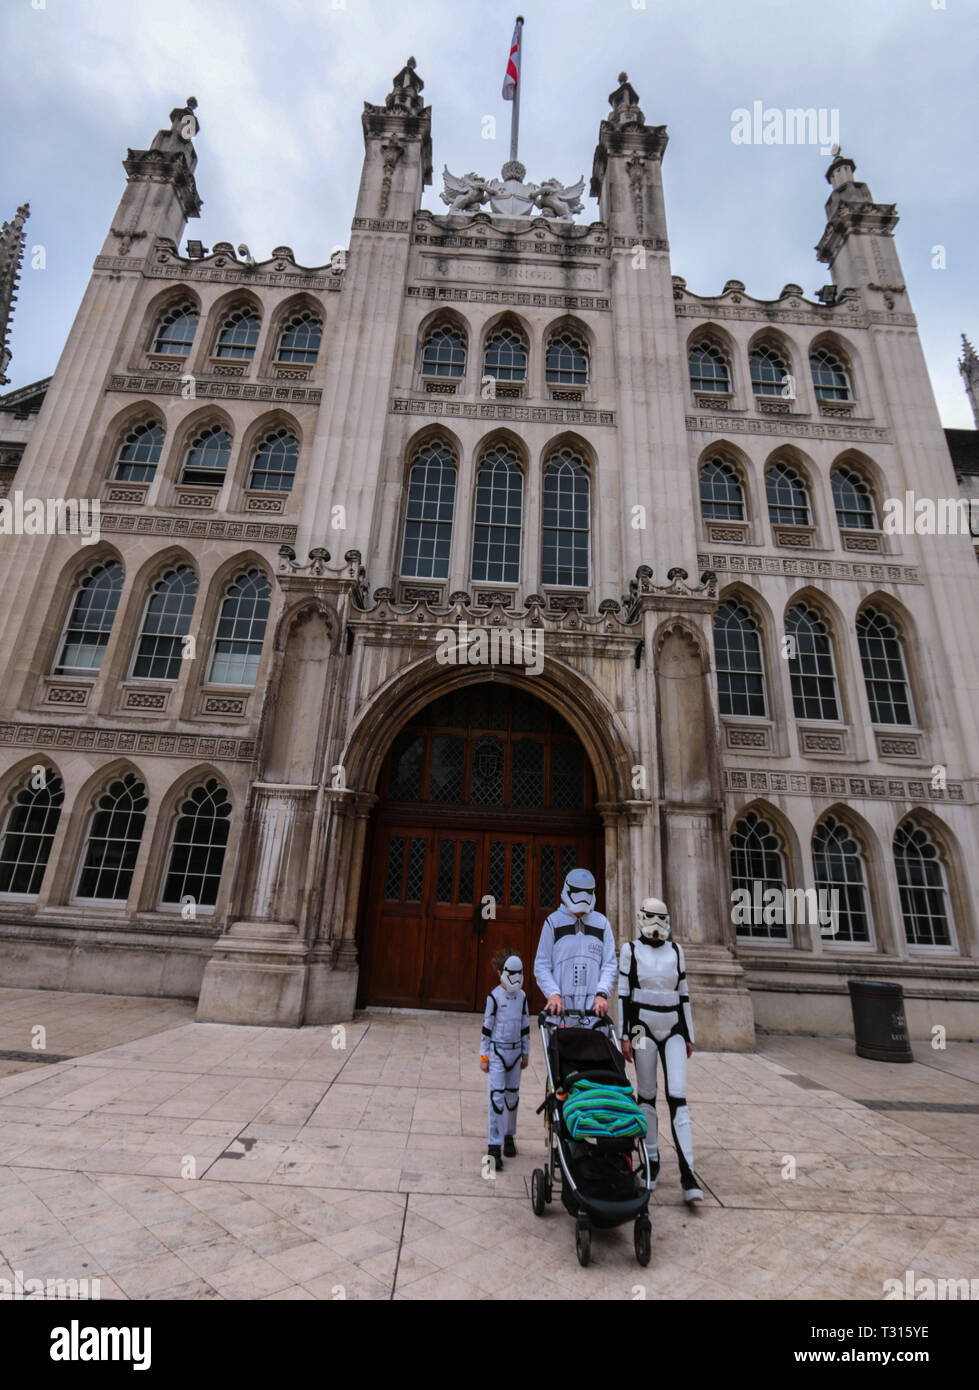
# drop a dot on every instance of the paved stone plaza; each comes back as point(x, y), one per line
point(325, 1171)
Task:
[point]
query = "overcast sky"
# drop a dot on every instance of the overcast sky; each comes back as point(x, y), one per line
point(281, 86)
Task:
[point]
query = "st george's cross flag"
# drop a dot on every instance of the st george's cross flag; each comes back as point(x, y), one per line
point(513, 66)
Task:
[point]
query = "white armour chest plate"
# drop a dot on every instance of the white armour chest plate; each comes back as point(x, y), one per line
point(656, 967)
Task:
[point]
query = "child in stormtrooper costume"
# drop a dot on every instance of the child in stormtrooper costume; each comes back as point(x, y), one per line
point(655, 1022)
point(575, 962)
point(504, 1053)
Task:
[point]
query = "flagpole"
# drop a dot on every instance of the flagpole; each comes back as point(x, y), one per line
point(515, 118)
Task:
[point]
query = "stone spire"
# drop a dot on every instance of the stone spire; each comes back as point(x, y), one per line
point(405, 93)
point(626, 177)
point(160, 193)
point(858, 243)
point(12, 239)
point(969, 367)
point(398, 145)
point(624, 101)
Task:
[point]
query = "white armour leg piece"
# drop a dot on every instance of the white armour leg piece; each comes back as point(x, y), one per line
point(675, 1066)
point(645, 1053)
point(504, 1095)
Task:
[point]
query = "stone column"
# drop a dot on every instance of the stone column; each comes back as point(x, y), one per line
point(258, 973)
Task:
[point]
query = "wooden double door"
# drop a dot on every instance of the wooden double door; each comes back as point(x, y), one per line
point(443, 900)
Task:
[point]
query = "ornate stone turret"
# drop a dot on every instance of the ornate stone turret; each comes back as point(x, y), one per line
point(969, 367)
point(858, 243)
point(160, 193)
point(405, 93)
point(398, 161)
point(626, 173)
point(12, 238)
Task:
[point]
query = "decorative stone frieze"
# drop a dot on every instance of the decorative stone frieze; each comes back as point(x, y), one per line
point(816, 569)
point(205, 389)
point(501, 410)
point(853, 788)
point(786, 425)
point(519, 298)
point(88, 739)
point(198, 528)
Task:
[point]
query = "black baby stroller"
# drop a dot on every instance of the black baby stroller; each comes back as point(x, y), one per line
point(604, 1181)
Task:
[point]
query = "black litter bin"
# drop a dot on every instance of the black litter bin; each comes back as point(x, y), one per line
point(880, 1025)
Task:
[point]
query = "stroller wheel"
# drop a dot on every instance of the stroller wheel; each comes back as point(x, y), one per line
point(548, 1187)
point(538, 1191)
point(641, 1239)
point(582, 1240)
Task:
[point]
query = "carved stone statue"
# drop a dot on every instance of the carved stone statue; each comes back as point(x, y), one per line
point(511, 196)
point(624, 102)
point(405, 91)
point(557, 201)
point(468, 193)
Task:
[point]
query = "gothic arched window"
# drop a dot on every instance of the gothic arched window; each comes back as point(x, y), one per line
point(274, 462)
point(708, 368)
point(768, 371)
point(241, 630)
point(238, 336)
point(566, 361)
point(112, 844)
point(160, 649)
point(506, 356)
point(28, 832)
point(207, 458)
point(812, 670)
point(196, 855)
point(788, 496)
point(721, 493)
point(884, 671)
point(922, 887)
point(90, 623)
point(498, 517)
point(830, 377)
point(757, 866)
point(139, 453)
point(854, 502)
point(444, 353)
point(565, 521)
point(740, 669)
point(175, 330)
point(300, 339)
point(428, 514)
point(840, 870)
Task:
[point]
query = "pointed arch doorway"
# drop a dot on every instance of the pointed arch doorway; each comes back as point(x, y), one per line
point(486, 793)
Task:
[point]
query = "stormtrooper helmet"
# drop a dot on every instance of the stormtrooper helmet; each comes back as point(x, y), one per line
point(578, 893)
point(653, 921)
point(511, 976)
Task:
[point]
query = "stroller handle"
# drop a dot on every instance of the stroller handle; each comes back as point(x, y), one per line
point(545, 1019)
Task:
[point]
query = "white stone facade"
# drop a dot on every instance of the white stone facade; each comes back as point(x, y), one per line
point(350, 650)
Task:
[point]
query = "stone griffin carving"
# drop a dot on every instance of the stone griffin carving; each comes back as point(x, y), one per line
point(468, 193)
point(511, 196)
point(560, 202)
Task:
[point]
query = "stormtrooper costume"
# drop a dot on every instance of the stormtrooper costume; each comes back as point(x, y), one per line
point(654, 1015)
point(505, 1042)
point(576, 954)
